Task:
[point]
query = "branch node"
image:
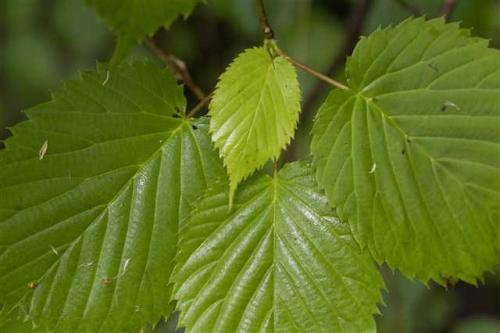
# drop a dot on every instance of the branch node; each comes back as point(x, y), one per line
point(178, 67)
point(447, 8)
point(204, 102)
point(264, 22)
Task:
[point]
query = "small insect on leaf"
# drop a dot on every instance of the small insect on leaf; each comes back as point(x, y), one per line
point(43, 150)
point(33, 285)
point(106, 281)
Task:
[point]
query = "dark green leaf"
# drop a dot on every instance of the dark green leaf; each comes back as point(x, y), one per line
point(92, 190)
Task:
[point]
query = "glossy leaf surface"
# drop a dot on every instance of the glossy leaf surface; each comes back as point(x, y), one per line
point(93, 187)
point(280, 261)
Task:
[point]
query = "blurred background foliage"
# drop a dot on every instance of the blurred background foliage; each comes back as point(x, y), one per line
point(43, 42)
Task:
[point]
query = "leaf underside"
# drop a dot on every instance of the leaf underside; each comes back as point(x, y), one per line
point(411, 155)
point(254, 112)
point(88, 228)
point(279, 261)
point(136, 19)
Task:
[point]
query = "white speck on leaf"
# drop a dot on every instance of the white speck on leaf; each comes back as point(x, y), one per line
point(54, 250)
point(374, 167)
point(125, 265)
point(87, 264)
point(106, 79)
point(43, 150)
point(449, 104)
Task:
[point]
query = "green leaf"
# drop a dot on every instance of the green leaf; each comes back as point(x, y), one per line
point(411, 155)
point(280, 261)
point(88, 222)
point(254, 112)
point(137, 19)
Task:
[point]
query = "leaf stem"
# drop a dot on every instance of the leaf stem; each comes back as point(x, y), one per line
point(264, 22)
point(204, 102)
point(314, 72)
point(178, 67)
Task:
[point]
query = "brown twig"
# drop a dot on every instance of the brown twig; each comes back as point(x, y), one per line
point(448, 8)
point(313, 72)
point(204, 102)
point(410, 7)
point(264, 22)
point(353, 30)
point(178, 67)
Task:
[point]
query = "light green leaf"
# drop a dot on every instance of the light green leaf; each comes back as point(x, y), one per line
point(280, 261)
point(92, 189)
point(254, 112)
point(137, 19)
point(411, 155)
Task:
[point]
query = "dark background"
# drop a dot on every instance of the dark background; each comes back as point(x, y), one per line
point(44, 42)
